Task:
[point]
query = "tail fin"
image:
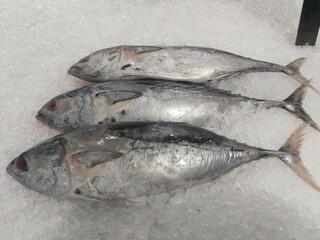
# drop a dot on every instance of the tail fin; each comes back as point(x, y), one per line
point(293, 69)
point(292, 158)
point(294, 106)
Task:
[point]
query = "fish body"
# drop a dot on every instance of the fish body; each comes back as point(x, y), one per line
point(132, 159)
point(194, 64)
point(157, 100)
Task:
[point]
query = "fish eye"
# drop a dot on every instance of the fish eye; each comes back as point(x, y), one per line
point(21, 164)
point(51, 105)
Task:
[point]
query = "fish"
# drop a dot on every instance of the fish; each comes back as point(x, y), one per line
point(119, 161)
point(156, 100)
point(177, 63)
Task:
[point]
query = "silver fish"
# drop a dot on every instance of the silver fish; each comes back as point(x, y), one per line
point(132, 159)
point(194, 64)
point(157, 100)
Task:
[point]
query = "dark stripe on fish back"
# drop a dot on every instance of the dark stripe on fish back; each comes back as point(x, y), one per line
point(167, 132)
point(165, 85)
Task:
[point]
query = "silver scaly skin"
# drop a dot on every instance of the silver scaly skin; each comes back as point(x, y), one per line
point(132, 159)
point(195, 64)
point(156, 100)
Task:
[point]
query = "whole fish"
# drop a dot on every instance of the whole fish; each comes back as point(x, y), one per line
point(194, 64)
point(132, 159)
point(146, 100)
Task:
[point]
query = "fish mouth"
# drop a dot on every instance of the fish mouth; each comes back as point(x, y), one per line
point(48, 121)
point(44, 119)
point(76, 71)
point(10, 168)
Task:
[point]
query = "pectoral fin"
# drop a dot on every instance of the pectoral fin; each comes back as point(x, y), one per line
point(113, 97)
point(90, 159)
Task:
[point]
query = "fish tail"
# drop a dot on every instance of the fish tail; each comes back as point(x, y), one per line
point(294, 106)
point(292, 157)
point(293, 69)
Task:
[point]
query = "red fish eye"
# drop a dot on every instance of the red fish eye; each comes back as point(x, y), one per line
point(85, 59)
point(21, 163)
point(51, 105)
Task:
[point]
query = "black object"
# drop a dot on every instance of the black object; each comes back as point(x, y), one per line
point(309, 23)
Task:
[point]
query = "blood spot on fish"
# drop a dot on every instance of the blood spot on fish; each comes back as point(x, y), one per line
point(76, 163)
point(124, 67)
point(21, 164)
point(128, 51)
point(85, 59)
point(51, 105)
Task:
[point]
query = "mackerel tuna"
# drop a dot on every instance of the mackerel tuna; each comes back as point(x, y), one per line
point(194, 64)
point(146, 100)
point(132, 159)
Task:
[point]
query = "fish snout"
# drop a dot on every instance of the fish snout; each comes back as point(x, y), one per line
point(10, 167)
point(44, 118)
point(76, 71)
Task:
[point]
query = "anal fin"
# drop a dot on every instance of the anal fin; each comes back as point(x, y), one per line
point(226, 76)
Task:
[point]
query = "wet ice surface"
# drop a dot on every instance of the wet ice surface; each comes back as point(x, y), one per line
point(262, 200)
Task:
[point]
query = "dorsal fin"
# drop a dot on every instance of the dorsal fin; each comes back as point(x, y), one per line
point(145, 49)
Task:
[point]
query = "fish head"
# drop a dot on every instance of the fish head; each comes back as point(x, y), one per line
point(62, 112)
point(43, 168)
point(93, 66)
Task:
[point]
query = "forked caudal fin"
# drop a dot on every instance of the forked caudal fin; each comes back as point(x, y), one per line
point(293, 69)
point(292, 158)
point(294, 106)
